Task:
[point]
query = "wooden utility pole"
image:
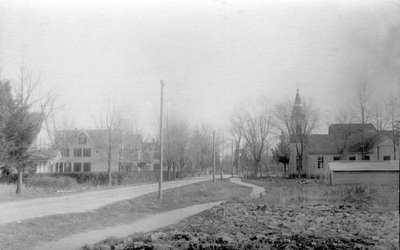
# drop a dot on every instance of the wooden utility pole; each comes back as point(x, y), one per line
point(233, 158)
point(213, 156)
point(397, 127)
point(161, 142)
point(221, 155)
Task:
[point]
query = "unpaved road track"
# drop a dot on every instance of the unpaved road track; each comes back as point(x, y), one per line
point(257, 190)
point(76, 203)
point(150, 223)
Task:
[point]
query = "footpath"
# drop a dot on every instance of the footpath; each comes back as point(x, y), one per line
point(82, 202)
point(148, 224)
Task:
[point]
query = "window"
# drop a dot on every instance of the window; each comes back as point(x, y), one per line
point(86, 152)
point(77, 167)
point(82, 139)
point(336, 158)
point(67, 167)
point(61, 167)
point(65, 152)
point(56, 168)
point(386, 157)
point(352, 158)
point(77, 152)
point(86, 167)
point(366, 158)
point(320, 162)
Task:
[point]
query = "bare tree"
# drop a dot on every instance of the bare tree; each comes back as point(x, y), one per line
point(393, 110)
point(344, 116)
point(177, 143)
point(360, 101)
point(28, 98)
point(236, 134)
point(110, 120)
point(255, 124)
point(283, 120)
point(130, 142)
point(201, 147)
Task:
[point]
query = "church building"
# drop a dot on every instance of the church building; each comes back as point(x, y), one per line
point(311, 153)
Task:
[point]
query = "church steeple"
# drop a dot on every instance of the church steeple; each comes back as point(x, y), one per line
point(298, 117)
point(297, 100)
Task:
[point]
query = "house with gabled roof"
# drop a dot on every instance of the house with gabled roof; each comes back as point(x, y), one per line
point(344, 142)
point(86, 150)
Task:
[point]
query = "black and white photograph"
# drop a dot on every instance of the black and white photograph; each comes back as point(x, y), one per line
point(199, 124)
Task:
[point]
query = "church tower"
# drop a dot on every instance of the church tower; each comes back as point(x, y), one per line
point(297, 163)
point(298, 117)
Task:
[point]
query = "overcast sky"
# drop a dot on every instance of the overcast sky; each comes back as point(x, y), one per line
point(213, 55)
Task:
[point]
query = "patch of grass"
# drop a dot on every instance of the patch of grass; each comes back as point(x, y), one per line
point(7, 191)
point(40, 230)
point(291, 192)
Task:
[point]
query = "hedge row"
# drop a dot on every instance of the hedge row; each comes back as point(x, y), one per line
point(96, 178)
point(49, 182)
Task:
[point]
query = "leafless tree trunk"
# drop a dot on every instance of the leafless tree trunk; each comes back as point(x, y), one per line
point(27, 94)
point(177, 143)
point(360, 101)
point(361, 107)
point(110, 118)
point(255, 125)
point(283, 120)
point(393, 107)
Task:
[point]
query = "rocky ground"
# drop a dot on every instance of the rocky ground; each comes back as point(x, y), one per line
point(348, 223)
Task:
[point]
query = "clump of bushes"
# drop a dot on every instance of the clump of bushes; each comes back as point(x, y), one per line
point(8, 178)
point(118, 178)
point(49, 181)
point(66, 179)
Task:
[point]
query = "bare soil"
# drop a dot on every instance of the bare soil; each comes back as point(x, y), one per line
point(292, 215)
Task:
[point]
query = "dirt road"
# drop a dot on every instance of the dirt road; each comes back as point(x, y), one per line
point(147, 224)
point(27, 209)
point(257, 190)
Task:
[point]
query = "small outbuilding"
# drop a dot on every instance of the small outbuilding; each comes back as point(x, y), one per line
point(366, 172)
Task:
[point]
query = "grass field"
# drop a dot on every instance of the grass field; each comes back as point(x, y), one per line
point(40, 230)
point(7, 191)
point(281, 192)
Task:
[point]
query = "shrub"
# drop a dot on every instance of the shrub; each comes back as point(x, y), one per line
point(49, 181)
point(8, 178)
point(118, 178)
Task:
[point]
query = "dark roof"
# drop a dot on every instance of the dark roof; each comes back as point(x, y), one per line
point(388, 133)
point(321, 144)
point(149, 145)
point(350, 137)
point(351, 128)
point(97, 137)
